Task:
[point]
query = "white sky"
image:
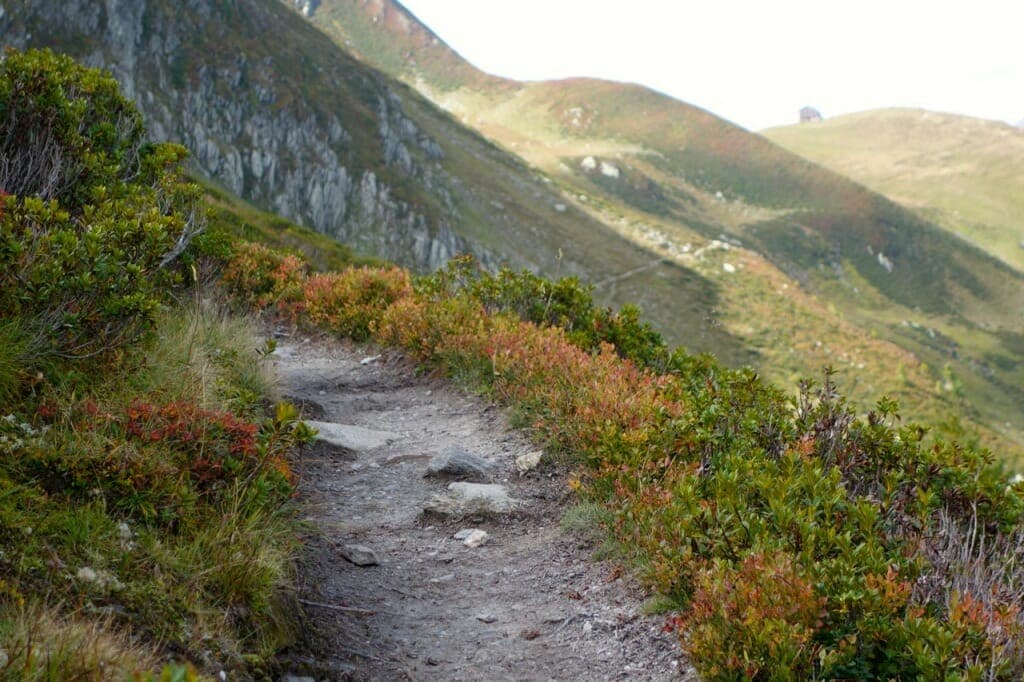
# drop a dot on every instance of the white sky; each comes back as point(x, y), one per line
point(757, 62)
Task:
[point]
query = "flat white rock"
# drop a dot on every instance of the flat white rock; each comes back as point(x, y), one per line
point(351, 437)
point(464, 498)
point(476, 538)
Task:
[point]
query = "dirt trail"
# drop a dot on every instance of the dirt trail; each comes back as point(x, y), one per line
point(527, 605)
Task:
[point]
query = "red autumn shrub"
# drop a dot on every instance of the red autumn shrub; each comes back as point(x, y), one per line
point(262, 277)
point(353, 301)
point(744, 622)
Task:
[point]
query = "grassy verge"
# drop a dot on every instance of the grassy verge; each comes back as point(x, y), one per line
point(144, 489)
point(148, 505)
point(795, 539)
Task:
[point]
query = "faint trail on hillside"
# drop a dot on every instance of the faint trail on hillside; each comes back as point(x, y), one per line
point(629, 273)
point(527, 605)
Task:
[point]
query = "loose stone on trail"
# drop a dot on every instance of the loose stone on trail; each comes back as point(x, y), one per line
point(457, 463)
point(464, 499)
point(360, 555)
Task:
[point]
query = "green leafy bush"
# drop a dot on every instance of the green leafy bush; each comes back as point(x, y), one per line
point(91, 217)
point(143, 487)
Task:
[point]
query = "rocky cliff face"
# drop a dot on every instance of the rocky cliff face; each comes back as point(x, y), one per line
point(232, 81)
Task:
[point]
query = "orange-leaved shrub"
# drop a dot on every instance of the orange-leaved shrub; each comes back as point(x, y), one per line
point(753, 618)
point(351, 302)
point(258, 276)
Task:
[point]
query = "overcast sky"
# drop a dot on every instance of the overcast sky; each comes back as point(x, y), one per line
point(756, 62)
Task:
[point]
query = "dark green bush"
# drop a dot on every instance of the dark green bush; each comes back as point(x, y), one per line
point(92, 219)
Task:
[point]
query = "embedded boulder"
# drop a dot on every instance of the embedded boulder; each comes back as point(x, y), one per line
point(350, 437)
point(465, 499)
point(459, 464)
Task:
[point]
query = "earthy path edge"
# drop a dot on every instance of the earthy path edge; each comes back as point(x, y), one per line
point(528, 604)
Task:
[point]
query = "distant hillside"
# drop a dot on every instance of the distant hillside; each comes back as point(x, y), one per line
point(966, 174)
point(681, 162)
point(729, 243)
point(295, 125)
point(678, 180)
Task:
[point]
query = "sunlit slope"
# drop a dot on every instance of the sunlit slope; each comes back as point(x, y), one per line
point(862, 270)
point(679, 161)
point(966, 174)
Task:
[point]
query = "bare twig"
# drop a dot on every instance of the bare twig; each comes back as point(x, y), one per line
point(337, 607)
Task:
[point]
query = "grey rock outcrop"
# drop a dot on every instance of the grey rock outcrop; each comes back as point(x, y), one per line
point(810, 114)
point(250, 123)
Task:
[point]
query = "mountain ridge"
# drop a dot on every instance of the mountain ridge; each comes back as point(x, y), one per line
point(677, 140)
point(677, 173)
point(958, 170)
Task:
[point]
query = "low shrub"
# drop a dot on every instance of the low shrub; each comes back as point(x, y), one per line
point(172, 513)
point(92, 219)
point(801, 540)
point(260, 277)
point(352, 302)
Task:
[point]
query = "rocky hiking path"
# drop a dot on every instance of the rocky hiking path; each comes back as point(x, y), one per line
point(389, 593)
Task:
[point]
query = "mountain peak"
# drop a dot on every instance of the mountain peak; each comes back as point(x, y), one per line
point(385, 34)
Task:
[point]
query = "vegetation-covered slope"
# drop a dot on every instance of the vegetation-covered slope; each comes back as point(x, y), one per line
point(965, 174)
point(143, 486)
point(672, 177)
point(674, 153)
point(144, 499)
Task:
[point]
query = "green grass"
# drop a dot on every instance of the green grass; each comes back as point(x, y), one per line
point(43, 645)
point(960, 172)
point(103, 570)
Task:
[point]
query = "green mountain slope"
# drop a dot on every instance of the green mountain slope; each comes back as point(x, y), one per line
point(297, 126)
point(964, 173)
point(673, 177)
point(729, 243)
point(683, 154)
